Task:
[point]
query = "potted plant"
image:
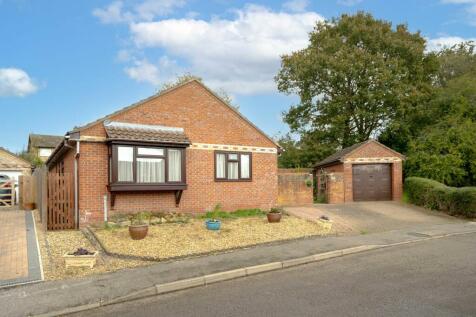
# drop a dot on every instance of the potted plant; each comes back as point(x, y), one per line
point(274, 215)
point(80, 258)
point(213, 223)
point(325, 222)
point(139, 228)
point(29, 206)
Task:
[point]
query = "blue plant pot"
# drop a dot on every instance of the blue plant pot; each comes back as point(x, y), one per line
point(213, 225)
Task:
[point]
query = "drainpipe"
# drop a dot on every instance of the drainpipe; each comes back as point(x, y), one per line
point(76, 185)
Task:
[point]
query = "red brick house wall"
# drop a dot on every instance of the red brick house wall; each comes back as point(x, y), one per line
point(206, 120)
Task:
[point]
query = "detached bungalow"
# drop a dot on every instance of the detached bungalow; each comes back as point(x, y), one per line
point(184, 149)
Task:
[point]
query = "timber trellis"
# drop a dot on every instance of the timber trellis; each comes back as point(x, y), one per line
point(60, 211)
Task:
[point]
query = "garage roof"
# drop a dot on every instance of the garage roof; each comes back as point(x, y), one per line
point(9, 161)
point(338, 156)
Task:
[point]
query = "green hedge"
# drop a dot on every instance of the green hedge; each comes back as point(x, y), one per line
point(434, 195)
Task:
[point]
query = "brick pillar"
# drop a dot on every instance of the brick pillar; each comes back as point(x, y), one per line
point(348, 194)
point(335, 188)
point(397, 185)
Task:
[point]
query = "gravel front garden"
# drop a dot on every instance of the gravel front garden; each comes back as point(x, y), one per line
point(54, 244)
point(172, 240)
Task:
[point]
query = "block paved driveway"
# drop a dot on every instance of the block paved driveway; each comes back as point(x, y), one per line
point(19, 256)
point(370, 217)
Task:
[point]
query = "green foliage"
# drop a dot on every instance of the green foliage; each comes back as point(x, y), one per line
point(356, 75)
point(277, 210)
point(320, 199)
point(140, 218)
point(218, 213)
point(434, 195)
point(34, 160)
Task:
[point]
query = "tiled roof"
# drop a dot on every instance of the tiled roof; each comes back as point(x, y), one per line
point(144, 133)
point(8, 160)
point(162, 93)
point(339, 154)
point(45, 141)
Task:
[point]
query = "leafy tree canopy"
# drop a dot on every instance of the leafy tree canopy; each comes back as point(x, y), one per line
point(354, 78)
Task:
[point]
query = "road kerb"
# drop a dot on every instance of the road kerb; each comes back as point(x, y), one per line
point(360, 248)
point(327, 255)
point(180, 285)
point(70, 310)
point(223, 276)
point(299, 261)
point(250, 270)
point(146, 292)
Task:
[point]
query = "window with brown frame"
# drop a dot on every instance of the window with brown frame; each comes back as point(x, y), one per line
point(144, 166)
point(232, 166)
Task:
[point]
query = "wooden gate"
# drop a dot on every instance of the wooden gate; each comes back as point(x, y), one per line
point(7, 194)
point(60, 201)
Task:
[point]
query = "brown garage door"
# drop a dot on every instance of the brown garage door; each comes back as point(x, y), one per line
point(372, 182)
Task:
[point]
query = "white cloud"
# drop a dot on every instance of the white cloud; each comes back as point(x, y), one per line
point(296, 5)
point(16, 82)
point(470, 8)
point(143, 71)
point(349, 3)
point(112, 13)
point(439, 43)
point(240, 55)
point(154, 73)
point(147, 10)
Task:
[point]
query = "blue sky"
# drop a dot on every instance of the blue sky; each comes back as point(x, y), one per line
point(65, 63)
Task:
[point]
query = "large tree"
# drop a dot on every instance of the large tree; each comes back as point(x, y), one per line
point(356, 75)
point(443, 146)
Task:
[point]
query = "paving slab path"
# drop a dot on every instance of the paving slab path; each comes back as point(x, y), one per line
point(19, 256)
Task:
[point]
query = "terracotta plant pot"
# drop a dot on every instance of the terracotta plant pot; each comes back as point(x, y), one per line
point(274, 216)
point(28, 206)
point(138, 232)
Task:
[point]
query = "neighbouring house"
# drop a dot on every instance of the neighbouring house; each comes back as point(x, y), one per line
point(11, 168)
point(365, 171)
point(42, 145)
point(183, 150)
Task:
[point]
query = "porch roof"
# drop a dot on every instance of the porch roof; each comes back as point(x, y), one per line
point(122, 131)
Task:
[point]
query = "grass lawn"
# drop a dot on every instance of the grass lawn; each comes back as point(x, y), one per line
point(170, 240)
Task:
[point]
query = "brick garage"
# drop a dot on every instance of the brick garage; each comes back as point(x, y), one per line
point(189, 119)
point(362, 172)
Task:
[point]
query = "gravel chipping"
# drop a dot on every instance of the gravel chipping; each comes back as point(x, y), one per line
point(54, 244)
point(170, 240)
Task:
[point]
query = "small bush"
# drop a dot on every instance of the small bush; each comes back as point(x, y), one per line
point(320, 199)
point(434, 195)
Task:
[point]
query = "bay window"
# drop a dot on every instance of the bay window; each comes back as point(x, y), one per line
point(144, 167)
point(232, 166)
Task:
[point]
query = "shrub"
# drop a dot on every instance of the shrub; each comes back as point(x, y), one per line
point(434, 195)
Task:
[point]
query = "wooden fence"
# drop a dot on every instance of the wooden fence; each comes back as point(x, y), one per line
point(7, 194)
point(53, 195)
point(295, 187)
point(60, 201)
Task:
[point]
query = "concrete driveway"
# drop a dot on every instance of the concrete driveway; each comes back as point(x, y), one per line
point(369, 217)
